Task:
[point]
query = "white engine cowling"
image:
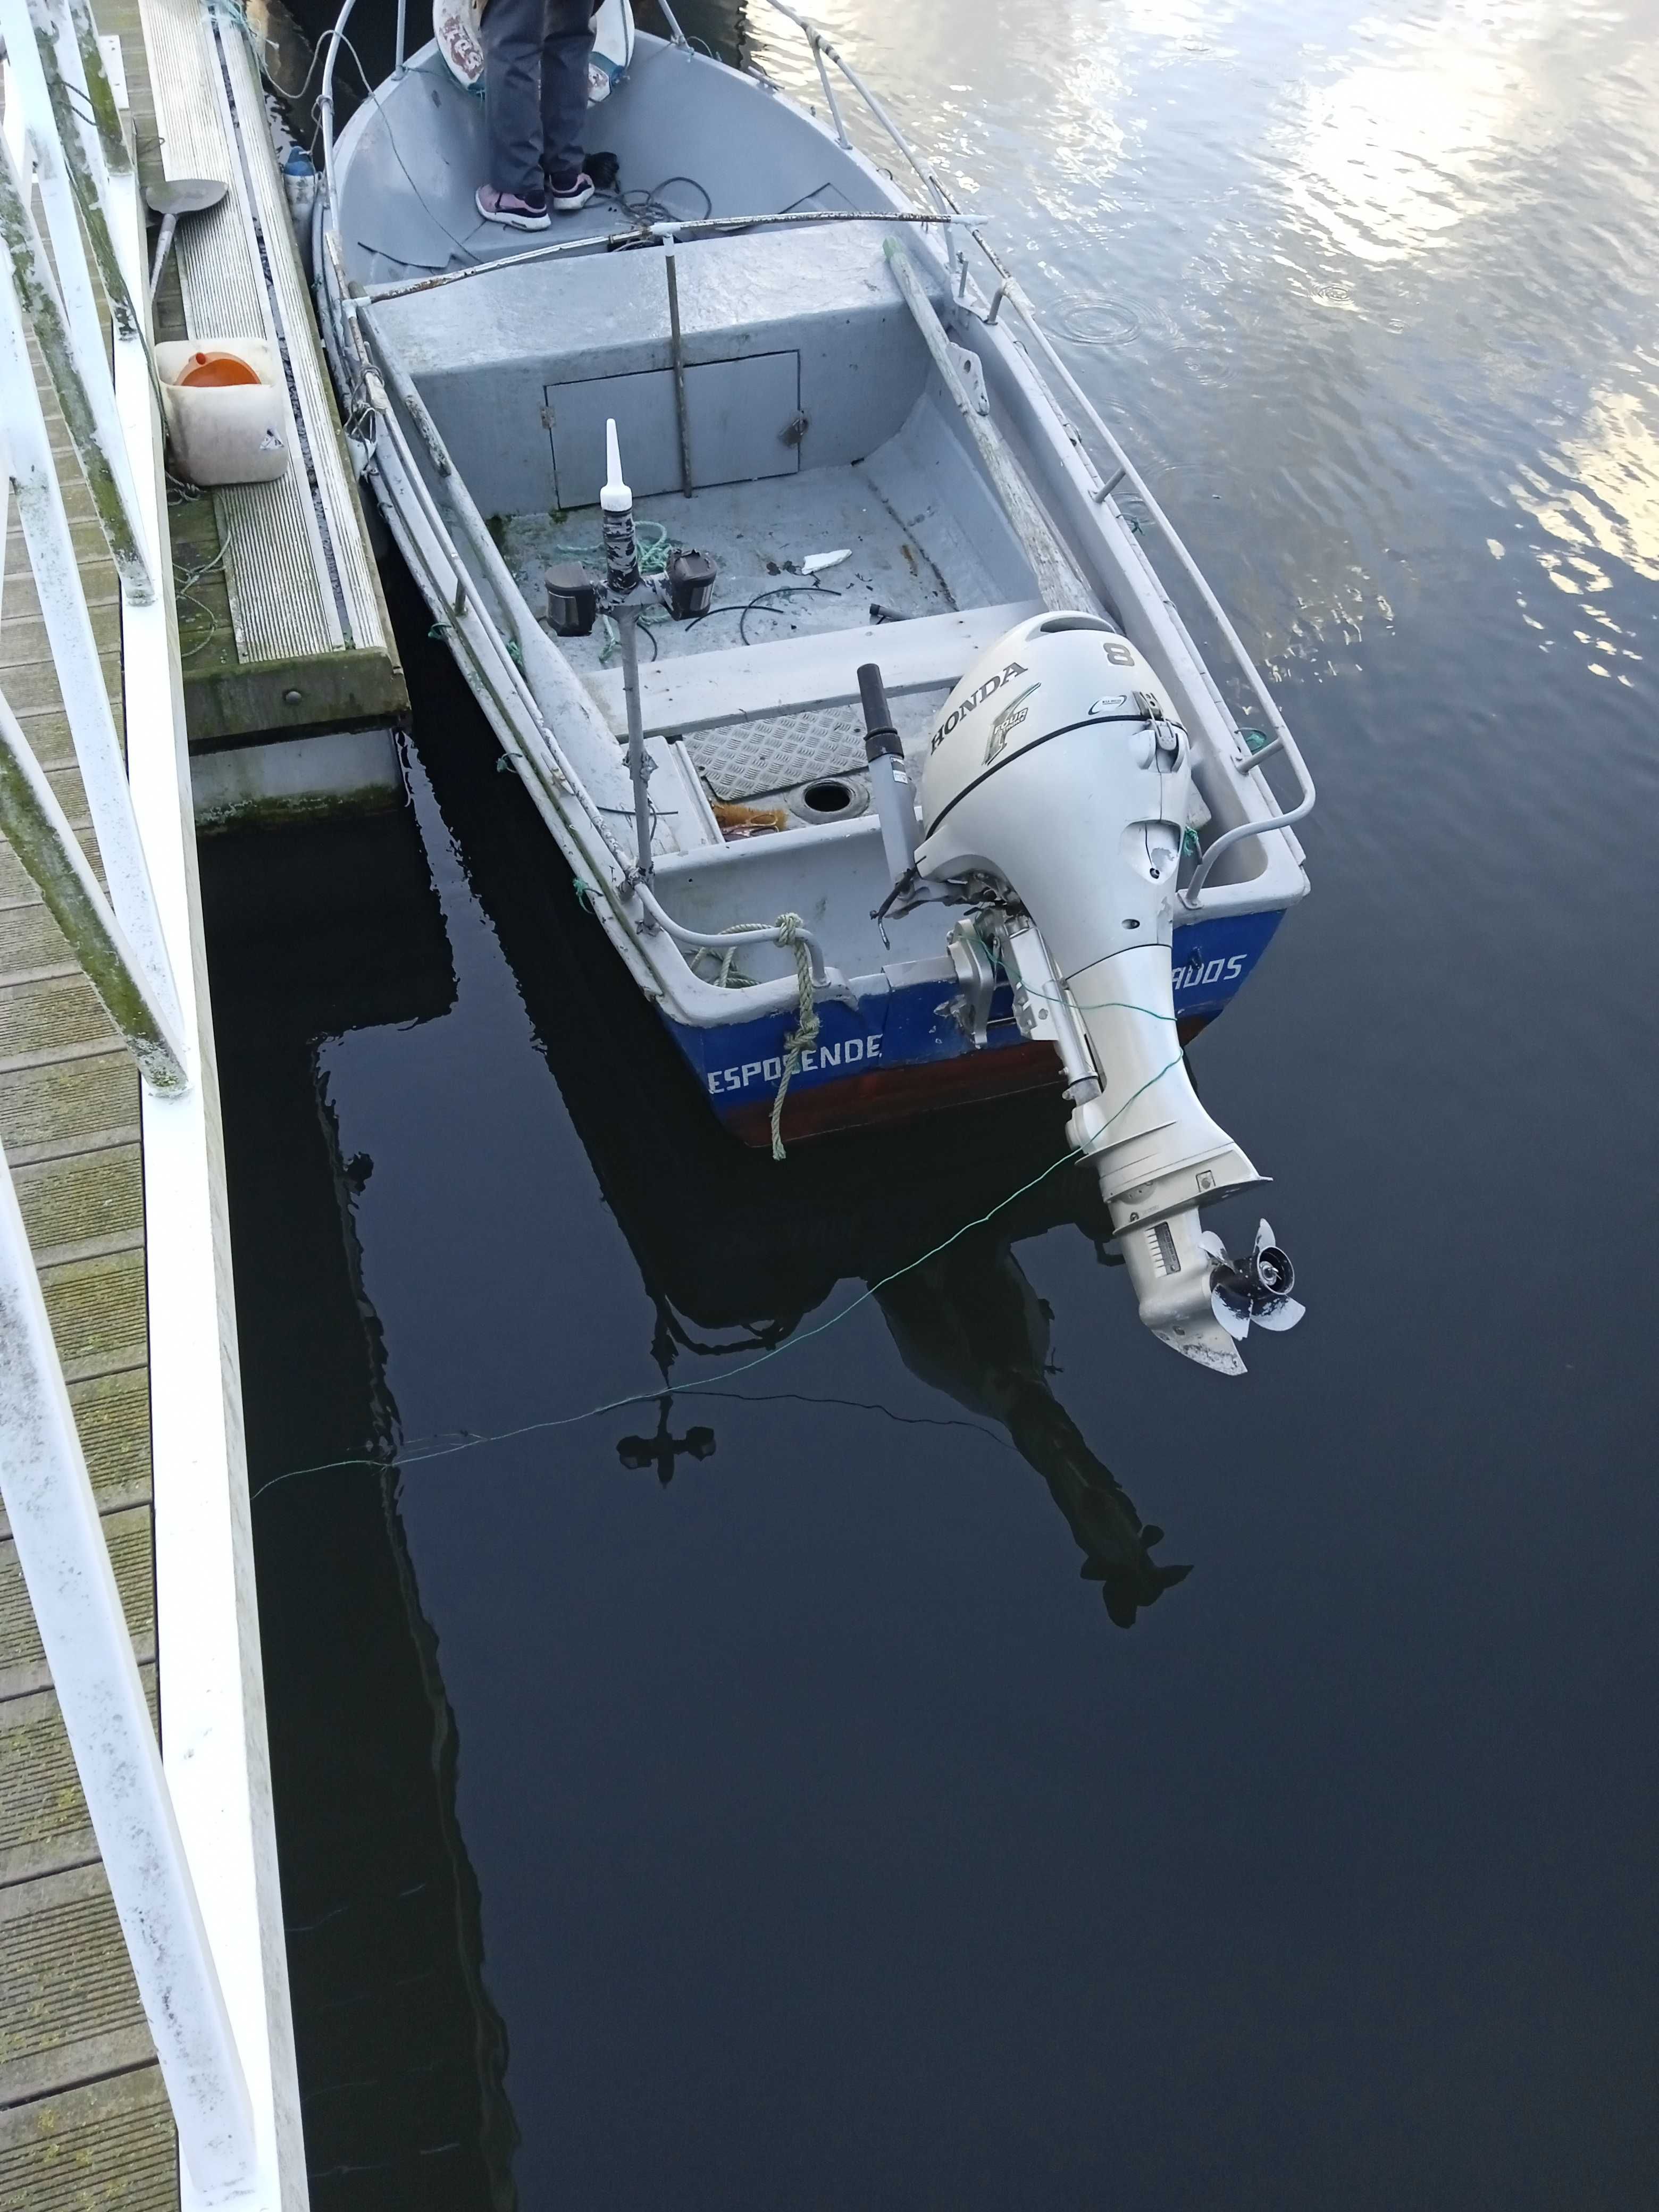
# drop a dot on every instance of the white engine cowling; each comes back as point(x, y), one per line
point(1058, 772)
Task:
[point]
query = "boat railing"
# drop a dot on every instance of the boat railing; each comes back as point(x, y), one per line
point(1063, 393)
point(63, 137)
point(1006, 291)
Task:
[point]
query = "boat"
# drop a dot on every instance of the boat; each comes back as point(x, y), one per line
point(811, 599)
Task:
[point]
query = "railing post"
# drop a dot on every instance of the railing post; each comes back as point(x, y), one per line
point(816, 44)
point(65, 1563)
point(39, 834)
point(75, 651)
point(101, 94)
point(31, 49)
point(85, 391)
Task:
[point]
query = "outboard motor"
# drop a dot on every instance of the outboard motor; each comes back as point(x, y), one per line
point(1057, 793)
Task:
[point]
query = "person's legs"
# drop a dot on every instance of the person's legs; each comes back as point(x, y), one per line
point(567, 43)
point(512, 32)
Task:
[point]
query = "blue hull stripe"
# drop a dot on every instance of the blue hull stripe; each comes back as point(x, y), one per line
point(739, 1062)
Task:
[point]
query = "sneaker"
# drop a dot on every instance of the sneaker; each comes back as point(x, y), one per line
point(568, 193)
point(496, 206)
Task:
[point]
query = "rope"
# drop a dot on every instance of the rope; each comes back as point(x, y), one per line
point(804, 1035)
point(787, 930)
point(652, 539)
point(469, 1441)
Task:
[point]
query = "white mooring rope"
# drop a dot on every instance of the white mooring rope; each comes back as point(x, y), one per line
point(804, 1035)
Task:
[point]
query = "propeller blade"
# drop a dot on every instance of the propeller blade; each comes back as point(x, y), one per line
point(1236, 1324)
point(1280, 1313)
point(1217, 1251)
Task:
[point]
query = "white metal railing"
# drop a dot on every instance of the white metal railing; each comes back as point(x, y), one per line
point(63, 138)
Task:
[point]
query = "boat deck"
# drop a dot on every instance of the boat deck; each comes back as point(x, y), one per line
point(912, 594)
point(758, 534)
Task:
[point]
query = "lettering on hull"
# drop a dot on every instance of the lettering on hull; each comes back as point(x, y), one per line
point(852, 1052)
point(1202, 975)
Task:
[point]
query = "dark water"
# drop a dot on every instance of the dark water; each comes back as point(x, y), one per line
point(805, 1829)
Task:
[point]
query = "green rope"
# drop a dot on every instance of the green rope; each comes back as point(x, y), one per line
point(709, 1383)
point(651, 540)
point(726, 1374)
point(1098, 1006)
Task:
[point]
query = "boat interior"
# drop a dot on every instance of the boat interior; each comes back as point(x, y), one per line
point(818, 424)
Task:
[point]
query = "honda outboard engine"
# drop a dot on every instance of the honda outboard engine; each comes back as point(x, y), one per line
point(1057, 793)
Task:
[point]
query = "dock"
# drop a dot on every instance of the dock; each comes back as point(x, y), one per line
point(284, 633)
point(166, 654)
point(79, 2084)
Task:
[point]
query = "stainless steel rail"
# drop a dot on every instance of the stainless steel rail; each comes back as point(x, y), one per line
point(1008, 289)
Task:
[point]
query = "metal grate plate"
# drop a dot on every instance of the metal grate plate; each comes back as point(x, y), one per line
point(776, 752)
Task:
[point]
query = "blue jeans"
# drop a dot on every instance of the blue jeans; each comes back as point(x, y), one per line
point(536, 56)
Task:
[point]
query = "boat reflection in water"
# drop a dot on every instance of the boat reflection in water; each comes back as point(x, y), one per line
point(316, 932)
point(970, 1324)
point(722, 1233)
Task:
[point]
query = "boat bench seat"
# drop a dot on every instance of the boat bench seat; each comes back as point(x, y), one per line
point(799, 354)
point(705, 690)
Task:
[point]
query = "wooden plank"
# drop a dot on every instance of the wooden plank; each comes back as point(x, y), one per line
point(32, 687)
point(107, 2147)
point(44, 1824)
point(75, 1098)
point(35, 1015)
point(72, 1201)
point(96, 1309)
point(23, 1663)
point(111, 1416)
point(23, 636)
point(68, 2006)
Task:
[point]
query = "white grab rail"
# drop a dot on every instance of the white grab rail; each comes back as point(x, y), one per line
point(52, 45)
point(77, 1609)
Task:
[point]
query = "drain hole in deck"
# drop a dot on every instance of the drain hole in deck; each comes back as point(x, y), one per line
point(829, 799)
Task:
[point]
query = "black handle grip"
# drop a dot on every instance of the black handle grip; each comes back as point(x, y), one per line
point(879, 735)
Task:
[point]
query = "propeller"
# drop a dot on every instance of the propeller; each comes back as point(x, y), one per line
point(1257, 1289)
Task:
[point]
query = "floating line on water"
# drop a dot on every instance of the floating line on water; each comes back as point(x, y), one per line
point(471, 1442)
point(649, 1397)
